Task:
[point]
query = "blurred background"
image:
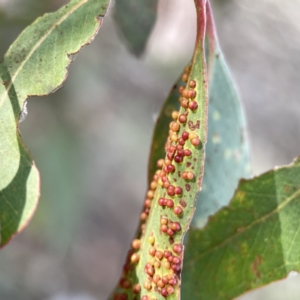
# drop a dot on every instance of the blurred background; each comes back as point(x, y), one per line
point(90, 140)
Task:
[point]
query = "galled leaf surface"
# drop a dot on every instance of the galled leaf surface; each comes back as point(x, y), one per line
point(135, 19)
point(161, 129)
point(35, 64)
point(155, 260)
point(250, 243)
point(227, 156)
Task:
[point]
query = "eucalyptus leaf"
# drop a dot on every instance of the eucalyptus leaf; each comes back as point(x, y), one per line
point(227, 157)
point(35, 64)
point(170, 201)
point(227, 151)
point(251, 242)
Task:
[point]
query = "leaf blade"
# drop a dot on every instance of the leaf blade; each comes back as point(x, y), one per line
point(135, 268)
point(256, 245)
point(227, 151)
point(36, 64)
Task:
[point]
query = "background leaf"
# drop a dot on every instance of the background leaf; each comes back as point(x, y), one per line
point(227, 152)
point(136, 19)
point(250, 243)
point(35, 65)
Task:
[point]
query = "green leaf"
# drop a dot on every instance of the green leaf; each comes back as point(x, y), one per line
point(35, 64)
point(252, 242)
point(135, 19)
point(227, 156)
point(227, 153)
point(164, 225)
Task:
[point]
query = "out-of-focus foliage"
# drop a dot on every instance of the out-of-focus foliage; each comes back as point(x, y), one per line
point(135, 19)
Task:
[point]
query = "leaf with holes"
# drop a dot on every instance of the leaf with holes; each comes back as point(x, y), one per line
point(35, 64)
point(251, 242)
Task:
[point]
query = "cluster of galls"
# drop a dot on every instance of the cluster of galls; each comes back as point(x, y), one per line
point(124, 282)
point(147, 203)
point(165, 285)
point(169, 260)
point(169, 227)
point(133, 256)
point(175, 154)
